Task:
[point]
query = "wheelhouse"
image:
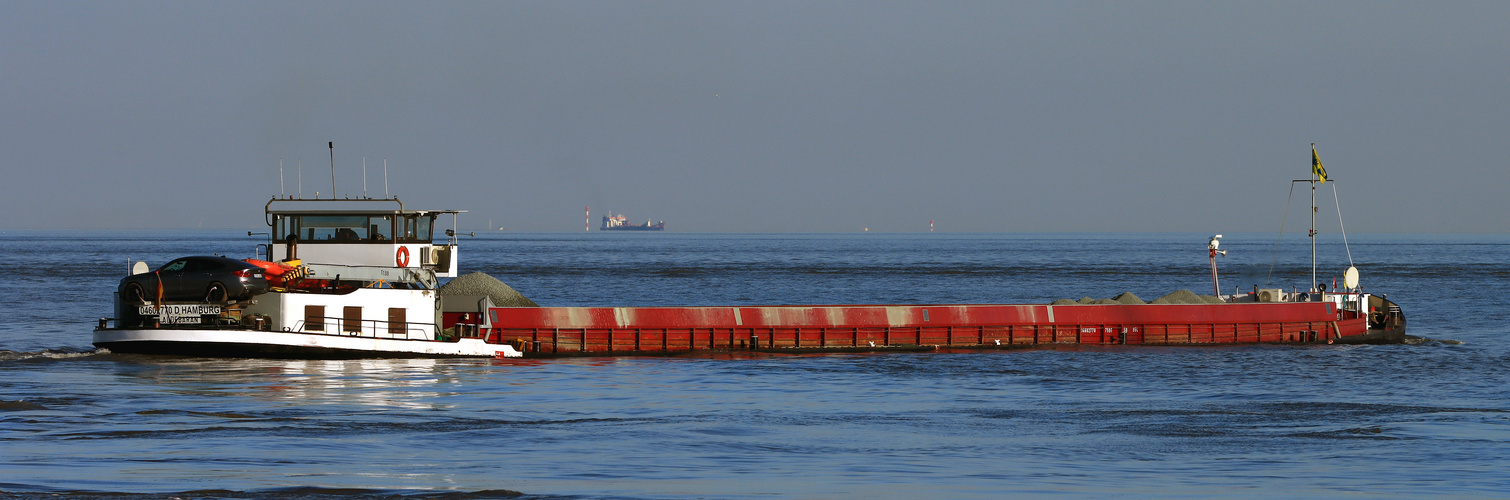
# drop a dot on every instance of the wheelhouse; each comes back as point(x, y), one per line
point(360, 232)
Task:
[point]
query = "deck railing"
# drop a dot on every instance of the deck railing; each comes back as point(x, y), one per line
point(368, 328)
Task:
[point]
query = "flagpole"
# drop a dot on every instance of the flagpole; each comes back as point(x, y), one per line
point(1314, 176)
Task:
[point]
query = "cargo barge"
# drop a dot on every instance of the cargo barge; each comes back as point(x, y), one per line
point(362, 282)
point(572, 331)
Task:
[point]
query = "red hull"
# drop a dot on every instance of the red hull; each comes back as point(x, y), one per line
point(648, 330)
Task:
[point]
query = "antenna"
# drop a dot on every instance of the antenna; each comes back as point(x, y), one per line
point(385, 178)
point(301, 178)
point(280, 177)
point(587, 219)
point(364, 176)
point(332, 170)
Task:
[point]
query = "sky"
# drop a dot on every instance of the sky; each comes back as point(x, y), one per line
point(761, 116)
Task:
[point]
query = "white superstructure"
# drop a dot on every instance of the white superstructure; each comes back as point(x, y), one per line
point(353, 282)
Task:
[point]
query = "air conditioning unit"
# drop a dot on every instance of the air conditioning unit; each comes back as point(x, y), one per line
point(436, 257)
point(1271, 295)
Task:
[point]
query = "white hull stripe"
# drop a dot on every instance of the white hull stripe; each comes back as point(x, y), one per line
point(462, 347)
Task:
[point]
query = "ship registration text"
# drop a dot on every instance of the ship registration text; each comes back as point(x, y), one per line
point(179, 314)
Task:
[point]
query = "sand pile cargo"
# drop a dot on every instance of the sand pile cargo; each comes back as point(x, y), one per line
point(479, 283)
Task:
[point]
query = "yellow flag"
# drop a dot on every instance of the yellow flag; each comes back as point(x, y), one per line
point(1316, 167)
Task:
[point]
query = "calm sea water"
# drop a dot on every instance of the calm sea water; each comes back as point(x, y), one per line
point(1425, 419)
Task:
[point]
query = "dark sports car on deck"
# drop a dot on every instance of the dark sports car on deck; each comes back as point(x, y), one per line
point(199, 279)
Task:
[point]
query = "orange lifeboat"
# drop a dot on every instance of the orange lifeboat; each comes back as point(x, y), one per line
point(286, 274)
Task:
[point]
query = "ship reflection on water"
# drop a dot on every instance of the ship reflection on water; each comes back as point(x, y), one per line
point(397, 383)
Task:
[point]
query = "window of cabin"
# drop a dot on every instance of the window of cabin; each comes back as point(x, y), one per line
point(351, 319)
point(416, 228)
point(286, 226)
point(408, 230)
point(397, 317)
point(424, 226)
point(314, 318)
point(380, 228)
point(334, 228)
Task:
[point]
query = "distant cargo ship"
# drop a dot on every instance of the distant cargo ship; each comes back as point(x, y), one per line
point(621, 223)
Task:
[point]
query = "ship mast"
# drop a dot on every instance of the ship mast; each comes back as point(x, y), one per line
point(1318, 176)
point(1313, 231)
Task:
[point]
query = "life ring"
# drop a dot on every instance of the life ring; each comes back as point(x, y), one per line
point(402, 257)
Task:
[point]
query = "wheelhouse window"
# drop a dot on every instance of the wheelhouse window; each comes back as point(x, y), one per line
point(416, 228)
point(424, 227)
point(326, 228)
point(380, 228)
point(354, 228)
point(286, 227)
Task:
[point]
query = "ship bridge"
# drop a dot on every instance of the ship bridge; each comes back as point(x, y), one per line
point(361, 232)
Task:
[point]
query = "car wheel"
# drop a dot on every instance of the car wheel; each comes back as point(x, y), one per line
point(215, 294)
point(135, 294)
